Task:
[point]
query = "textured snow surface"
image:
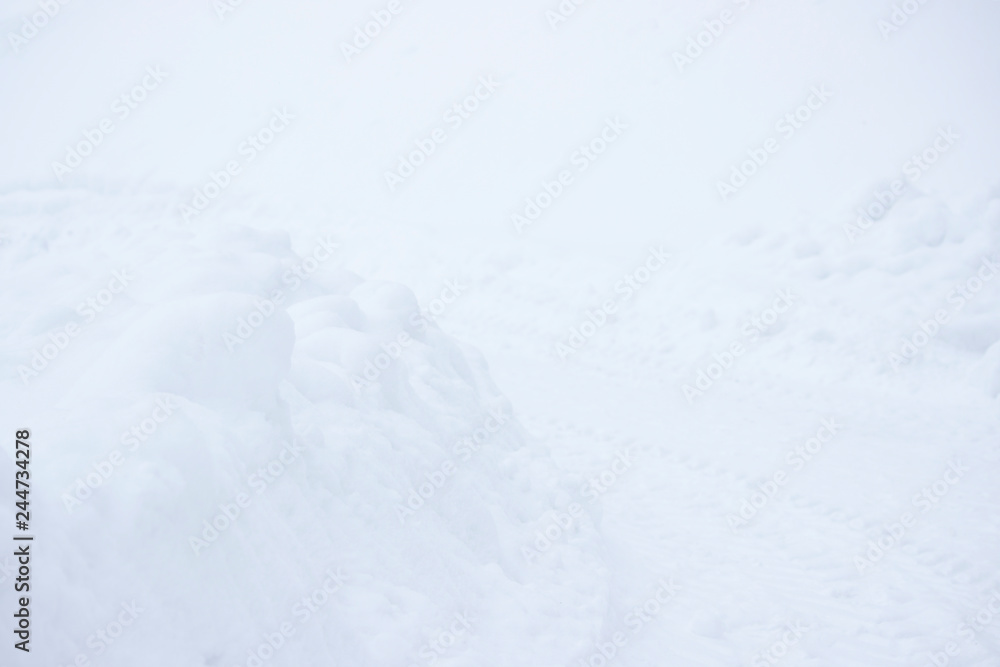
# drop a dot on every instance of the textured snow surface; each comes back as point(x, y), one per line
point(332, 419)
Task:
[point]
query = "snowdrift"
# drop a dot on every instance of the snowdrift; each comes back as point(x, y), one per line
point(283, 463)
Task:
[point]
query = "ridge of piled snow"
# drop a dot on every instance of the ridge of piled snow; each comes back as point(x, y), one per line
point(275, 418)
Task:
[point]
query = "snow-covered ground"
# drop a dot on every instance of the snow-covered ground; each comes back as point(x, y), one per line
point(555, 333)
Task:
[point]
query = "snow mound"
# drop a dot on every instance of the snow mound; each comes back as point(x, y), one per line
point(305, 470)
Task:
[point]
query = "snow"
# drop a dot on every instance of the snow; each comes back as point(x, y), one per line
point(549, 395)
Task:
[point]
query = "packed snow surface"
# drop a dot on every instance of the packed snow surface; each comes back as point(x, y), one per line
point(560, 334)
